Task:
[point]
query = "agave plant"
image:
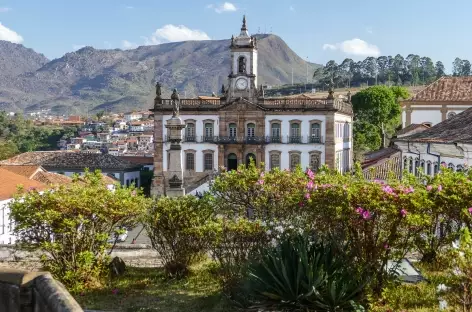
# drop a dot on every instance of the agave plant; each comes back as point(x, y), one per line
point(299, 273)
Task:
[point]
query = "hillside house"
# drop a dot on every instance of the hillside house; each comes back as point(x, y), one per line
point(68, 163)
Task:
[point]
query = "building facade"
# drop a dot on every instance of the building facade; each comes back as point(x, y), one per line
point(443, 99)
point(244, 125)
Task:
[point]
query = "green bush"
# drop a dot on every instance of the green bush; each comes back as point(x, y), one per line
point(72, 224)
point(301, 273)
point(231, 243)
point(173, 226)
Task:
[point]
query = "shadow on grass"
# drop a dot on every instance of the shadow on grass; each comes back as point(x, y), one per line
point(147, 290)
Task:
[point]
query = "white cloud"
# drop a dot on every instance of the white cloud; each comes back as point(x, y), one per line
point(225, 7)
point(129, 7)
point(328, 46)
point(172, 33)
point(292, 9)
point(9, 35)
point(76, 47)
point(354, 47)
point(5, 10)
point(128, 45)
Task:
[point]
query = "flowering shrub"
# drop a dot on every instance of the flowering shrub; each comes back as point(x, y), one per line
point(458, 279)
point(72, 224)
point(258, 194)
point(173, 227)
point(449, 197)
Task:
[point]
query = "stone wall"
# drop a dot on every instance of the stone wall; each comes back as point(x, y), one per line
point(137, 255)
point(22, 291)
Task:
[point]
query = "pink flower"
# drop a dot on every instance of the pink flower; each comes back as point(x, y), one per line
point(114, 291)
point(429, 188)
point(439, 188)
point(366, 215)
point(387, 189)
point(403, 212)
point(470, 210)
point(300, 204)
point(310, 174)
point(443, 165)
point(386, 246)
point(307, 195)
point(310, 185)
point(262, 175)
point(260, 182)
point(359, 210)
point(408, 190)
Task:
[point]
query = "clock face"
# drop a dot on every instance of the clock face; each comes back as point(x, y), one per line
point(241, 84)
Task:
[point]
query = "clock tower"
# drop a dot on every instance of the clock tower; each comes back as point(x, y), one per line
point(243, 77)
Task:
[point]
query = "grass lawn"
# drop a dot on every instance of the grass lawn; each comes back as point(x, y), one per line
point(146, 290)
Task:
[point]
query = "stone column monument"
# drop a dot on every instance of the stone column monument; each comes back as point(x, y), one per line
point(174, 131)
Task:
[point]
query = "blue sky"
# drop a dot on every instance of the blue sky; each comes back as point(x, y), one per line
point(318, 29)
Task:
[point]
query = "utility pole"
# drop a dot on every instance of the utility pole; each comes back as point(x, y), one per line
point(292, 76)
point(306, 72)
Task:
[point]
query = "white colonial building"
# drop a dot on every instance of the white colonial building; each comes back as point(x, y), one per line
point(448, 143)
point(443, 99)
point(242, 124)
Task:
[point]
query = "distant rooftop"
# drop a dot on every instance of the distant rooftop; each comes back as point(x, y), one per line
point(445, 89)
point(70, 160)
point(451, 130)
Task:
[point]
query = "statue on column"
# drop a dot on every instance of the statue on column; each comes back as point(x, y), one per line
point(175, 103)
point(158, 98)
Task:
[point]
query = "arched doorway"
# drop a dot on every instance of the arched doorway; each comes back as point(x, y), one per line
point(248, 159)
point(232, 162)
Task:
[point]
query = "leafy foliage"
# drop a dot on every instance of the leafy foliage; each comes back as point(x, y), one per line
point(231, 243)
point(173, 226)
point(71, 225)
point(18, 135)
point(377, 114)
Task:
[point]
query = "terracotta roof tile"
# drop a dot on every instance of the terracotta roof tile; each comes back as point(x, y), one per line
point(10, 181)
point(412, 127)
point(446, 89)
point(26, 171)
point(50, 178)
point(68, 160)
point(451, 130)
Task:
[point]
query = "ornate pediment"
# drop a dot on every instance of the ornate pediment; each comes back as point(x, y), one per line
point(175, 182)
point(240, 104)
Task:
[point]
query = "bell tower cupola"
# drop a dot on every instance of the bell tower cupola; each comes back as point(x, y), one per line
point(243, 77)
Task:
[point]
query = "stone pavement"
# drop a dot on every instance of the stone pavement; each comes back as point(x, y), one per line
point(140, 233)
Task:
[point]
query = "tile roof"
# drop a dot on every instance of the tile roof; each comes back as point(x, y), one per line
point(379, 164)
point(412, 127)
point(26, 170)
point(451, 130)
point(446, 89)
point(10, 181)
point(68, 160)
point(141, 160)
point(50, 178)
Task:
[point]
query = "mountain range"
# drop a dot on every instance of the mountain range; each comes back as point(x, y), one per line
point(121, 80)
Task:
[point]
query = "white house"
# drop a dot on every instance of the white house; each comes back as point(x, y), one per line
point(132, 116)
point(449, 143)
point(444, 98)
point(68, 163)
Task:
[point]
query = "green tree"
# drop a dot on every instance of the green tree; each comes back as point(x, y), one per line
point(8, 149)
point(100, 115)
point(440, 70)
point(71, 226)
point(379, 106)
point(457, 67)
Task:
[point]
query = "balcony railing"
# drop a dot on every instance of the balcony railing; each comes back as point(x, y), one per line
point(307, 139)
